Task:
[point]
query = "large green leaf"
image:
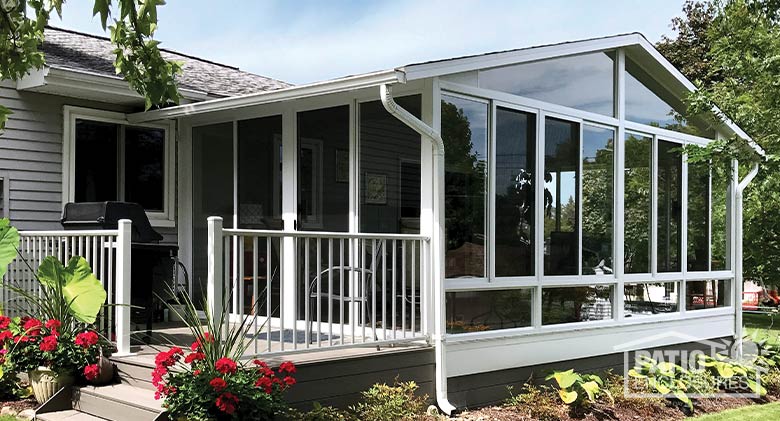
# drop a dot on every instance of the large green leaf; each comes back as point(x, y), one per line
point(591, 388)
point(80, 287)
point(564, 378)
point(9, 243)
point(568, 396)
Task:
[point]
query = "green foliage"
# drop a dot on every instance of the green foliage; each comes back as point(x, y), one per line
point(665, 378)
point(538, 402)
point(724, 368)
point(9, 243)
point(320, 413)
point(689, 50)
point(615, 384)
point(138, 58)
point(77, 285)
point(389, 403)
point(573, 388)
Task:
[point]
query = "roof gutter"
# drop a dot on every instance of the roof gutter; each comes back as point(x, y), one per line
point(437, 246)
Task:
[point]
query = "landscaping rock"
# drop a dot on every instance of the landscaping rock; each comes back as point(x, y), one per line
point(8, 411)
point(27, 414)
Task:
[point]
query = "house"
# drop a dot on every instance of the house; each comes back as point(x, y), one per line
point(478, 219)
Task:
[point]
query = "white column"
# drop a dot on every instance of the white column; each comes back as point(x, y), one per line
point(123, 284)
point(216, 282)
point(290, 216)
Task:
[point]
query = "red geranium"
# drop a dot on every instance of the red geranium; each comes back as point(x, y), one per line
point(53, 324)
point(287, 367)
point(218, 384)
point(86, 339)
point(227, 402)
point(225, 366)
point(206, 338)
point(49, 343)
point(194, 357)
point(91, 372)
point(266, 383)
point(32, 326)
point(4, 322)
point(6, 334)
point(289, 381)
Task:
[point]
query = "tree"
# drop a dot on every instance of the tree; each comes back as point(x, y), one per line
point(137, 56)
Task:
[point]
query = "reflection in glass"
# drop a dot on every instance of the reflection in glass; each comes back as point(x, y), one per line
point(669, 206)
point(706, 294)
point(584, 81)
point(96, 166)
point(698, 216)
point(145, 167)
point(476, 311)
point(637, 205)
point(597, 192)
point(515, 171)
point(648, 298)
point(323, 182)
point(721, 177)
point(464, 129)
point(561, 172)
point(260, 173)
point(389, 169)
point(576, 304)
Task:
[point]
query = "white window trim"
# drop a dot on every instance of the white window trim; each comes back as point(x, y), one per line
point(166, 218)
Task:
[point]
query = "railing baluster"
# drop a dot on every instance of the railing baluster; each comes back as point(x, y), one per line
point(395, 269)
point(414, 288)
point(403, 288)
point(330, 291)
point(319, 293)
point(341, 289)
point(364, 299)
point(307, 293)
point(268, 290)
point(384, 288)
point(255, 303)
point(281, 290)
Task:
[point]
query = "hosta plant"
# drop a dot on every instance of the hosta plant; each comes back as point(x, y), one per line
point(575, 388)
point(727, 370)
point(665, 378)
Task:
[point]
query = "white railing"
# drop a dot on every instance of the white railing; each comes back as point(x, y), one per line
point(310, 290)
point(108, 253)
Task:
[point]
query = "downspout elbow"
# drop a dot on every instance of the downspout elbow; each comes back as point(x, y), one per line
point(392, 107)
point(747, 180)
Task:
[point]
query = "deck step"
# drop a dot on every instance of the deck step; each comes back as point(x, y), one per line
point(118, 402)
point(68, 415)
point(134, 372)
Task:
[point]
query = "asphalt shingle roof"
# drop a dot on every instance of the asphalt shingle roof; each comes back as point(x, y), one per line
point(67, 49)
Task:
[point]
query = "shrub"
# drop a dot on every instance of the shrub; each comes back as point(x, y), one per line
point(389, 403)
point(538, 402)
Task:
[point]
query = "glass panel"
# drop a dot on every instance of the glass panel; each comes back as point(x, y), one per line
point(96, 166)
point(576, 304)
point(669, 206)
point(561, 173)
point(477, 311)
point(597, 199)
point(464, 129)
point(212, 194)
point(260, 173)
point(637, 205)
point(698, 216)
point(515, 172)
point(389, 169)
point(145, 167)
point(648, 298)
point(721, 177)
point(706, 294)
point(323, 169)
point(585, 82)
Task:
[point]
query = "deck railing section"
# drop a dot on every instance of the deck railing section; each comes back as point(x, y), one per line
point(108, 253)
point(311, 290)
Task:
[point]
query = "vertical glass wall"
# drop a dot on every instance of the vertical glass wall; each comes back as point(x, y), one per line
point(669, 190)
point(721, 185)
point(649, 298)
point(561, 198)
point(464, 129)
point(514, 200)
point(260, 173)
point(637, 203)
point(598, 188)
point(698, 216)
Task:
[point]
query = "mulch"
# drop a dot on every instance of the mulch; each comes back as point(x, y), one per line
point(20, 405)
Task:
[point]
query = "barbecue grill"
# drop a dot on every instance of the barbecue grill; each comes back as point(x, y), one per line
point(154, 264)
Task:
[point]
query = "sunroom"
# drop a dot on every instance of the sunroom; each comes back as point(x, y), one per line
point(558, 220)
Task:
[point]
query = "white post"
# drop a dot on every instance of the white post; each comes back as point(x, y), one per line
point(216, 284)
point(123, 285)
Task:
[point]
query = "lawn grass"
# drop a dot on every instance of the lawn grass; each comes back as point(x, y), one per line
point(8, 418)
point(770, 411)
point(767, 325)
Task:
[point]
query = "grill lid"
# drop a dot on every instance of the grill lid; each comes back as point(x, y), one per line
point(106, 215)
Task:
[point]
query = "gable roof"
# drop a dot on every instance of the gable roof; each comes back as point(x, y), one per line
point(70, 50)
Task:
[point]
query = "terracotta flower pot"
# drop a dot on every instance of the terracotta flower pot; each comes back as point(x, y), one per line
point(46, 382)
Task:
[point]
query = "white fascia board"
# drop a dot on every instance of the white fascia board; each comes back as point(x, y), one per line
point(285, 94)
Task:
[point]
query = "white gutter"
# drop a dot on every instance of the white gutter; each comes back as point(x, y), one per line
point(738, 275)
point(437, 240)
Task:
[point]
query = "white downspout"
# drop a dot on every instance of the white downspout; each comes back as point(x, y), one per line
point(738, 275)
point(437, 249)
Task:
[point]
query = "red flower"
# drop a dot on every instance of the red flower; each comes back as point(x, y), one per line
point(53, 324)
point(266, 383)
point(196, 373)
point(194, 357)
point(86, 339)
point(49, 343)
point(91, 372)
point(4, 322)
point(225, 366)
point(32, 326)
point(168, 358)
point(6, 334)
point(288, 367)
point(227, 402)
point(289, 381)
point(260, 364)
point(206, 338)
point(218, 384)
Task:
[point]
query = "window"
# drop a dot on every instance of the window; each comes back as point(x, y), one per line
point(597, 199)
point(637, 207)
point(514, 211)
point(584, 81)
point(669, 206)
point(561, 199)
point(476, 311)
point(108, 160)
point(260, 173)
point(389, 169)
point(576, 304)
point(698, 216)
point(464, 130)
point(721, 185)
point(649, 298)
point(701, 295)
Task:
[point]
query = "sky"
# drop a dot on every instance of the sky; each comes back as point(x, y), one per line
point(310, 40)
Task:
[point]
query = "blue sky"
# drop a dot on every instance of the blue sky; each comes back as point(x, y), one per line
point(307, 41)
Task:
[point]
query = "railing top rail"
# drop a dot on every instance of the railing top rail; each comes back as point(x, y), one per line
point(70, 233)
point(323, 234)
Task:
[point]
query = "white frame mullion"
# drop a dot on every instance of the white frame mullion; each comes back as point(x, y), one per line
point(619, 154)
point(684, 216)
point(536, 316)
point(490, 218)
point(654, 208)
